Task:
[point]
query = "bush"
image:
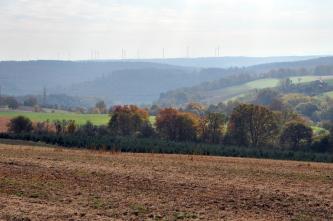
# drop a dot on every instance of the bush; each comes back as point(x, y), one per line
point(20, 124)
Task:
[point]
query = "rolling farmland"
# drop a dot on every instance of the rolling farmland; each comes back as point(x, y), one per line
point(39, 183)
point(234, 92)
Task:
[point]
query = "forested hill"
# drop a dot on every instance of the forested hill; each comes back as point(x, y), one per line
point(29, 77)
point(144, 85)
point(126, 81)
point(228, 62)
point(308, 63)
point(245, 80)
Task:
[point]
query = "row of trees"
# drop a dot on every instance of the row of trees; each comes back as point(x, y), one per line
point(68, 104)
point(248, 125)
point(11, 102)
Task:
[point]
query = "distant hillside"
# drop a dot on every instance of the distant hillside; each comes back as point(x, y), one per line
point(142, 85)
point(247, 80)
point(228, 62)
point(131, 81)
point(322, 61)
point(113, 81)
point(29, 77)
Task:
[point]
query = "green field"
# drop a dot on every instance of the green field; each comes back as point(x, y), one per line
point(234, 92)
point(329, 94)
point(307, 79)
point(97, 119)
point(263, 83)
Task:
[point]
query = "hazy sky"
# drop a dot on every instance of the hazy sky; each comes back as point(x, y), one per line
point(51, 29)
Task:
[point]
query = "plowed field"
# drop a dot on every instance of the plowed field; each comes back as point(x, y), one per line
point(38, 183)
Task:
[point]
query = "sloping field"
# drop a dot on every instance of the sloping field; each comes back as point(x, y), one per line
point(329, 94)
point(234, 92)
point(38, 183)
point(263, 83)
point(306, 79)
point(97, 119)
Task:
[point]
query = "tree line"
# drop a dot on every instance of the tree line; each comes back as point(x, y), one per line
point(249, 130)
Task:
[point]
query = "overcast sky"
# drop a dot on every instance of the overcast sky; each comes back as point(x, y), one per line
point(81, 29)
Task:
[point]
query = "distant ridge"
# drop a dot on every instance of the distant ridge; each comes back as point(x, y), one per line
point(130, 81)
point(229, 61)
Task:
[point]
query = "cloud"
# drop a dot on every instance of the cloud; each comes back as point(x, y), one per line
point(79, 25)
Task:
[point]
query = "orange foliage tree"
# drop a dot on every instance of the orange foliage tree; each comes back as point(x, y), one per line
point(127, 120)
point(174, 125)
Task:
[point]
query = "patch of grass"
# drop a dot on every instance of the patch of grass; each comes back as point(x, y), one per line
point(80, 119)
point(138, 209)
point(28, 188)
point(184, 216)
point(97, 119)
point(100, 203)
point(307, 79)
point(263, 83)
point(319, 130)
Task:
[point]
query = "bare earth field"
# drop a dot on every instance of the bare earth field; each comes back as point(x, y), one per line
point(38, 183)
point(3, 124)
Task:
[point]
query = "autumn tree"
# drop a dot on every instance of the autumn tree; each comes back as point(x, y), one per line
point(71, 127)
point(252, 125)
point(214, 127)
point(195, 108)
point(61, 126)
point(174, 125)
point(186, 127)
point(288, 115)
point(295, 134)
point(127, 120)
point(42, 127)
point(166, 123)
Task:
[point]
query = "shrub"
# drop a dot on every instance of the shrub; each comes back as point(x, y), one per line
point(20, 124)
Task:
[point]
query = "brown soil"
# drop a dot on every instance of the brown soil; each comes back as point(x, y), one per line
point(3, 124)
point(57, 184)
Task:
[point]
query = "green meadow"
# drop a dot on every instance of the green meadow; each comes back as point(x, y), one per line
point(234, 92)
point(96, 119)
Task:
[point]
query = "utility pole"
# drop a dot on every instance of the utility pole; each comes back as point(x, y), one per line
point(44, 96)
point(123, 53)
